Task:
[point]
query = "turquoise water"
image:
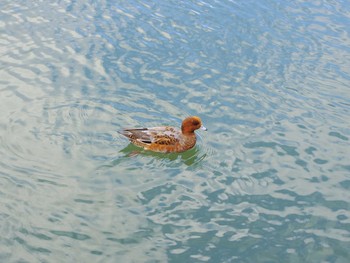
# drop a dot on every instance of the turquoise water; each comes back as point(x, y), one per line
point(268, 182)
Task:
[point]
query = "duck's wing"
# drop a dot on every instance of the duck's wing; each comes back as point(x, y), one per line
point(157, 135)
point(140, 134)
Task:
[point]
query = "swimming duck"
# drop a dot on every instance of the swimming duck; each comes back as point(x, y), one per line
point(166, 139)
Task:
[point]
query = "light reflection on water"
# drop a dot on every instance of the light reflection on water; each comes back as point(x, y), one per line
point(268, 180)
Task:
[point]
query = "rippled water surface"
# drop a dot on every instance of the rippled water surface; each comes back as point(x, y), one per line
point(268, 182)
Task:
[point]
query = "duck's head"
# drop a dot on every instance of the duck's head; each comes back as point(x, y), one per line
point(190, 124)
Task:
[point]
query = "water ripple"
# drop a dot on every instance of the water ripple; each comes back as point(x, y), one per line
point(270, 178)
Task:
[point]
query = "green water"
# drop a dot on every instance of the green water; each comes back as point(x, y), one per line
point(268, 182)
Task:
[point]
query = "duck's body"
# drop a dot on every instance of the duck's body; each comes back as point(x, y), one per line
point(166, 138)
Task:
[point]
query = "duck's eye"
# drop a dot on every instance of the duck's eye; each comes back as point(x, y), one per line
point(195, 122)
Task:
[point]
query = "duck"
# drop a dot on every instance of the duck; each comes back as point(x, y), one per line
point(166, 139)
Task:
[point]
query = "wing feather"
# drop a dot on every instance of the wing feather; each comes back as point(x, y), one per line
point(156, 135)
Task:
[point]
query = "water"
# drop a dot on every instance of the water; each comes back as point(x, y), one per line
point(268, 182)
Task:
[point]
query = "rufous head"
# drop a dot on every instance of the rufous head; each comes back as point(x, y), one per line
point(190, 124)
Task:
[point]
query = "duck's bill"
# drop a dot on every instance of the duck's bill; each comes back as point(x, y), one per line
point(203, 128)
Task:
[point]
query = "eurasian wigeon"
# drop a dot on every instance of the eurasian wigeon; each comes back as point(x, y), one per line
point(166, 139)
